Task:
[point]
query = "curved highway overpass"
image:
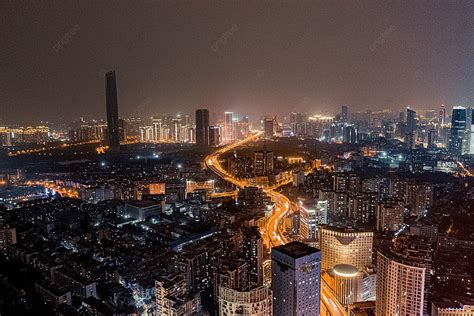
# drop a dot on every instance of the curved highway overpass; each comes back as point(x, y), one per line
point(271, 227)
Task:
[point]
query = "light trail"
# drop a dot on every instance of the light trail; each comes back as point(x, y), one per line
point(271, 227)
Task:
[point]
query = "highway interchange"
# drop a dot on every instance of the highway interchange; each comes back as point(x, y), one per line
point(271, 227)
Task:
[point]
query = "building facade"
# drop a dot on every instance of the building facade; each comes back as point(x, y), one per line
point(113, 132)
point(202, 128)
point(345, 246)
point(255, 302)
point(400, 287)
point(296, 279)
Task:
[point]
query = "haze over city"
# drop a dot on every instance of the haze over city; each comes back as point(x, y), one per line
point(226, 158)
point(255, 56)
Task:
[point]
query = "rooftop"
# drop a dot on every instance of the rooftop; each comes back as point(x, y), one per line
point(345, 270)
point(296, 249)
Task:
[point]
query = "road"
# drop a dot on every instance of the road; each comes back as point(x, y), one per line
point(66, 192)
point(272, 228)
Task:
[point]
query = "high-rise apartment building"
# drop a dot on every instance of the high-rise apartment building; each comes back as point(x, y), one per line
point(228, 126)
point(230, 273)
point(311, 215)
point(269, 127)
point(254, 302)
point(263, 162)
point(296, 279)
point(113, 131)
point(214, 136)
point(173, 297)
point(253, 252)
point(345, 246)
point(390, 215)
point(400, 286)
point(432, 138)
point(470, 130)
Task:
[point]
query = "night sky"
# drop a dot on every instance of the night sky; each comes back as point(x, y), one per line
point(253, 57)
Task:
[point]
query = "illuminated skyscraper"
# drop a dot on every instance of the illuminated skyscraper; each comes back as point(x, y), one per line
point(432, 138)
point(253, 255)
point(176, 135)
point(228, 124)
point(296, 279)
point(157, 129)
point(263, 162)
point(458, 135)
point(400, 286)
point(214, 136)
point(311, 215)
point(269, 127)
point(442, 115)
point(470, 148)
point(350, 134)
point(112, 111)
point(345, 245)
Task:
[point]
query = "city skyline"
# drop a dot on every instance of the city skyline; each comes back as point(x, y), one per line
point(224, 195)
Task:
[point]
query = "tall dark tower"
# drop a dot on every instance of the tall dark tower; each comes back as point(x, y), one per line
point(411, 120)
point(344, 114)
point(112, 111)
point(202, 128)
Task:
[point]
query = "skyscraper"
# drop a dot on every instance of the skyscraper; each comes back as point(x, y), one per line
point(202, 128)
point(344, 114)
point(470, 127)
point(214, 136)
point(350, 134)
point(411, 120)
point(228, 123)
point(432, 138)
point(442, 115)
point(400, 286)
point(157, 129)
point(112, 111)
point(263, 162)
point(311, 215)
point(345, 246)
point(176, 129)
point(253, 255)
point(401, 117)
point(269, 127)
point(458, 131)
point(296, 279)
